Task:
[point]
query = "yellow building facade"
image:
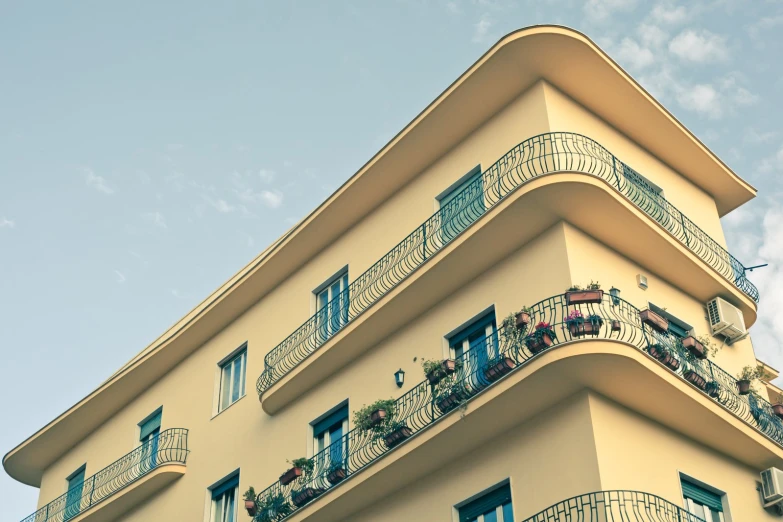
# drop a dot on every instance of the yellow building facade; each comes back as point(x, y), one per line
point(543, 167)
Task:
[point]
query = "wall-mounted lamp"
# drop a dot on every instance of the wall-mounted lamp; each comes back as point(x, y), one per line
point(615, 293)
point(399, 377)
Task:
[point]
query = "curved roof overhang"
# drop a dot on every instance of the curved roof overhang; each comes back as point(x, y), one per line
point(563, 57)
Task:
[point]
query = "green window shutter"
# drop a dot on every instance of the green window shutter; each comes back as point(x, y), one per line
point(330, 420)
point(483, 504)
point(226, 485)
point(701, 495)
point(477, 326)
point(150, 425)
point(677, 330)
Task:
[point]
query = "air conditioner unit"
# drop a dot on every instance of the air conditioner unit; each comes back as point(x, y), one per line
point(772, 486)
point(726, 319)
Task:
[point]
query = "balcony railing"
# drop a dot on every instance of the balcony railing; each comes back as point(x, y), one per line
point(537, 156)
point(170, 446)
point(424, 404)
point(619, 506)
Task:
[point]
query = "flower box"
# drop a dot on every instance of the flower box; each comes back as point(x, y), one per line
point(615, 325)
point(449, 402)
point(397, 436)
point(584, 297)
point(664, 357)
point(250, 506)
point(743, 386)
point(377, 416)
point(303, 496)
point(499, 369)
point(290, 475)
point(523, 319)
point(447, 366)
point(695, 379)
point(777, 409)
point(336, 476)
point(538, 345)
point(580, 328)
point(713, 389)
point(695, 347)
point(654, 321)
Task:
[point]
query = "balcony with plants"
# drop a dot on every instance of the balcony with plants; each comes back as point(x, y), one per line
point(160, 460)
point(577, 315)
point(531, 159)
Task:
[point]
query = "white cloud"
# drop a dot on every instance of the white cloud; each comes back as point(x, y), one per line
point(764, 24)
point(669, 14)
point(96, 182)
point(701, 98)
point(270, 198)
point(599, 10)
point(481, 29)
point(633, 55)
point(267, 176)
point(7, 223)
point(772, 163)
point(453, 8)
point(652, 35)
point(156, 218)
point(699, 47)
point(120, 276)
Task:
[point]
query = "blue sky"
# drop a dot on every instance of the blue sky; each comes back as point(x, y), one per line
point(148, 150)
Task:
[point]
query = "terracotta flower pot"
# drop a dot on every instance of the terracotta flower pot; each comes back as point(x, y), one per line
point(615, 325)
point(654, 321)
point(447, 366)
point(397, 436)
point(250, 506)
point(777, 409)
point(336, 476)
point(290, 475)
point(536, 346)
point(584, 296)
point(743, 386)
point(695, 379)
point(523, 319)
point(578, 329)
point(449, 402)
point(303, 496)
point(664, 357)
point(713, 389)
point(377, 416)
point(499, 369)
point(695, 347)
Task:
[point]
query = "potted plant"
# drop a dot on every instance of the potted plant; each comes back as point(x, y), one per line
point(713, 389)
point(497, 367)
point(297, 469)
point(541, 338)
point(370, 418)
point(522, 318)
point(510, 335)
point(694, 378)
point(336, 472)
point(396, 431)
point(700, 347)
point(654, 321)
point(250, 501)
point(436, 370)
point(616, 325)
point(302, 496)
point(777, 409)
point(272, 508)
point(592, 293)
point(745, 379)
point(451, 393)
point(578, 325)
point(664, 355)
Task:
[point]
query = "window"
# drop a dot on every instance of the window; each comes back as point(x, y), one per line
point(328, 435)
point(331, 300)
point(232, 379)
point(677, 327)
point(224, 500)
point(475, 344)
point(149, 434)
point(462, 204)
point(702, 502)
point(495, 506)
point(73, 499)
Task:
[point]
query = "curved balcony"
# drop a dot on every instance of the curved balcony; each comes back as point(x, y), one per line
point(504, 353)
point(601, 506)
point(535, 157)
point(138, 474)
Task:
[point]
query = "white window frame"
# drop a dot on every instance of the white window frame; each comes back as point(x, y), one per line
point(223, 498)
point(219, 386)
point(724, 516)
point(211, 504)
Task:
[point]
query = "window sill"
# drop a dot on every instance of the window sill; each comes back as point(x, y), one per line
point(228, 407)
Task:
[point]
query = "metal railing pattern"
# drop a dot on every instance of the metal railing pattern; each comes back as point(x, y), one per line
point(537, 156)
point(170, 446)
point(424, 404)
point(614, 506)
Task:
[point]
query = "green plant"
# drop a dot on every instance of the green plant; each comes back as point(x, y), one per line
point(362, 420)
point(334, 465)
point(431, 366)
point(593, 285)
point(574, 288)
point(750, 373)
point(250, 494)
point(710, 347)
point(526, 309)
point(273, 507)
point(450, 386)
point(306, 465)
point(511, 337)
point(542, 328)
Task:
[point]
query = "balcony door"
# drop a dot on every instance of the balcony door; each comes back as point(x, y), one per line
point(149, 435)
point(474, 346)
point(329, 444)
point(73, 499)
point(332, 306)
point(461, 205)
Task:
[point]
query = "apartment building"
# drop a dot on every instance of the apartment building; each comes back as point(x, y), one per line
point(520, 309)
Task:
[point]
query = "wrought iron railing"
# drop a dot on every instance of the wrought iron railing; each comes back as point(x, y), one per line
point(537, 156)
point(614, 506)
point(169, 446)
point(613, 318)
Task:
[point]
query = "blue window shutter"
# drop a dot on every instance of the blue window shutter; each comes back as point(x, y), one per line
point(701, 495)
point(150, 425)
point(479, 325)
point(228, 484)
point(483, 504)
point(330, 420)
